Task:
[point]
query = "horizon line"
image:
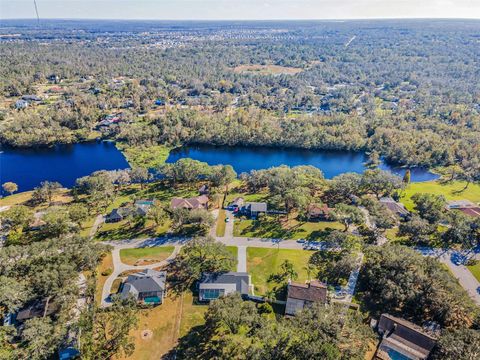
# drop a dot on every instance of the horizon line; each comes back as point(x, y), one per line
point(252, 20)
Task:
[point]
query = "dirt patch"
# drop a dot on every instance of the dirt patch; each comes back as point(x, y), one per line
point(142, 262)
point(267, 69)
point(146, 334)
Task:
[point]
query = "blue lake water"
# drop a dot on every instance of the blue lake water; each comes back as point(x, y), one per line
point(65, 163)
point(62, 163)
point(244, 159)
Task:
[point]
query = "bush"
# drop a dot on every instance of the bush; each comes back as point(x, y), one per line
point(107, 272)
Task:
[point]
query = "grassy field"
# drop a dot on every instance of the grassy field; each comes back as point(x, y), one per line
point(107, 263)
point(62, 195)
point(149, 157)
point(267, 69)
point(270, 227)
point(475, 270)
point(123, 230)
point(220, 231)
point(451, 191)
point(234, 251)
point(167, 322)
point(145, 255)
point(262, 262)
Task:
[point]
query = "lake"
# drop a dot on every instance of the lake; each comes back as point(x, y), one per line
point(244, 159)
point(62, 163)
point(65, 163)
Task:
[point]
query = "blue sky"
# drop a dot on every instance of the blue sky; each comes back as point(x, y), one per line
point(240, 9)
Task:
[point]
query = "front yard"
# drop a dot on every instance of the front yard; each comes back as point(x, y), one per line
point(271, 227)
point(144, 256)
point(475, 270)
point(262, 263)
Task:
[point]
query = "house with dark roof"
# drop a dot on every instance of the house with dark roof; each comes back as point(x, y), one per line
point(215, 285)
point(465, 206)
point(198, 202)
point(145, 286)
point(302, 295)
point(41, 308)
point(402, 339)
point(204, 190)
point(253, 209)
point(395, 207)
point(21, 104)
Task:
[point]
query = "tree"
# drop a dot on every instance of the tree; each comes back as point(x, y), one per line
point(98, 187)
point(157, 214)
point(18, 217)
point(429, 206)
point(78, 213)
point(288, 270)
point(222, 175)
point(39, 338)
point(418, 230)
point(458, 344)
point(343, 187)
point(57, 223)
point(13, 295)
point(185, 170)
point(201, 255)
point(407, 177)
point(109, 334)
point(139, 175)
point(45, 192)
point(348, 215)
point(10, 187)
point(380, 182)
point(373, 160)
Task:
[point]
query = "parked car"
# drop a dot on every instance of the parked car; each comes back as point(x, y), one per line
point(227, 219)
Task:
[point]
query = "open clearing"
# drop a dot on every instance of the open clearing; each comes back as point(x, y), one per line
point(451, 191)
point(263, 262)
point(267, 69)
point(145, 256)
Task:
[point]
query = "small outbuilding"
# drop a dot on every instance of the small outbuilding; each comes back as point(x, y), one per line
point(253, 209)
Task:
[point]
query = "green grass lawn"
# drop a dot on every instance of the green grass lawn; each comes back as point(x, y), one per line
point(234, 251)
point(220, 231)
point(123, 230)
point(149, 157)
point(270, 227)
point(263, 262)
point(449, 190)
point(148, 255)
point(475, 270)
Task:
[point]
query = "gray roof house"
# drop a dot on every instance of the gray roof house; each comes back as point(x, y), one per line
point(403, 340)
point(215, 285)
point(254, 208)
point(21, 104)
point(395, 207)
point(301, 295)
point(145, 286)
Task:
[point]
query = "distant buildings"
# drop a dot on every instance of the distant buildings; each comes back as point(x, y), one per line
point(147, 286)
point(213, 286)
point(402, 339)
point(465, 206)
point(302, 295)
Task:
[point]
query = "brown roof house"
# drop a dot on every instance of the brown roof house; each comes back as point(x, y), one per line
point(402, 339)
point(301, 295)
point(317, 212)
point(199, 202)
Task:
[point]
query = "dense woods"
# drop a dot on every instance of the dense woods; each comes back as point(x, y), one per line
point(402, 89)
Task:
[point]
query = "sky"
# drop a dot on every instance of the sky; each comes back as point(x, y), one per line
point(239, 9)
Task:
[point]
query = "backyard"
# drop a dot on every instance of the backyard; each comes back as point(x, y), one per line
point(262, 263)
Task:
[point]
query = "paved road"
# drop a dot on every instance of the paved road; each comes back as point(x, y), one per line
point(454, 260)
point(98, 221)
point(119, 266)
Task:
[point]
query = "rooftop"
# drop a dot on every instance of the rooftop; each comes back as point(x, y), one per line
point(313, 291)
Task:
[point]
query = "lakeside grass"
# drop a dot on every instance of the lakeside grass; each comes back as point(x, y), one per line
point(148, 157)
point(135, 230)
point(145, 255)
point(451, 191)
point(264, 262)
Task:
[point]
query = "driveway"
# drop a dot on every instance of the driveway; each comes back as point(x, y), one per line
point(119, 267)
